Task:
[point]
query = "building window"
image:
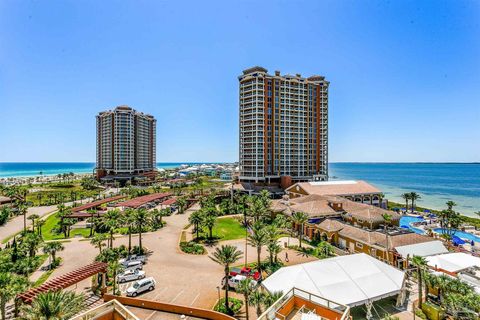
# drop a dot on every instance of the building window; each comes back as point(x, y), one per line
point(359, 245)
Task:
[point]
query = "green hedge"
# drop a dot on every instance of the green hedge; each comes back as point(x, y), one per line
point(192, 247)
point(235, 305)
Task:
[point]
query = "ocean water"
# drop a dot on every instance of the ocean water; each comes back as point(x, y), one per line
point(437, 183)
point(28, 169)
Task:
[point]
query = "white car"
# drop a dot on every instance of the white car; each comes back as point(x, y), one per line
point(139, 286)
point(133, 265)
point(233, 281)
point(133, 257)
point(130, 275)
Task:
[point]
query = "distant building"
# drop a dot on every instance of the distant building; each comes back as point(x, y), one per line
point(283, 128)
point(126, 142)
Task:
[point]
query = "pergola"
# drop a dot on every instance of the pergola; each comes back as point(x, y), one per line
point(65, 281)
point(140, 201)
point(96, 203)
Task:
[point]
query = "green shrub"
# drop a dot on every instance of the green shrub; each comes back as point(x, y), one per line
point(192, 247)
point(235, 305)
point(432, 312)
point(419, 313)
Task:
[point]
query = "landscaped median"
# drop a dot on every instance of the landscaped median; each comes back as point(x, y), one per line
point(225, 228)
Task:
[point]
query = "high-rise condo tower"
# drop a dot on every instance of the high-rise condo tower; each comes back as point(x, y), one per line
point(283, 127)
point(125, 143)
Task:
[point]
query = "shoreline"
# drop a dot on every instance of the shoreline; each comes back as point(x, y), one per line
point(469, 219)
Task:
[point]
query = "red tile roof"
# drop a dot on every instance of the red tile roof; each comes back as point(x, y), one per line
point(169, 202)
point(139, 201)
point(96, 203)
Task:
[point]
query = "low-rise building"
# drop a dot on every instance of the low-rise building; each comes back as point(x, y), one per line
point(357, 191)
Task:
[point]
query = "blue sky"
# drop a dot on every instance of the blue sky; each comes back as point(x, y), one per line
point(405, 75)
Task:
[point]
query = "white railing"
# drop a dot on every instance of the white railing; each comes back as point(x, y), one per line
point(271, 312)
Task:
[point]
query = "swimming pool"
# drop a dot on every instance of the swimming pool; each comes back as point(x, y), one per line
point(405, 221)
point(461, 234)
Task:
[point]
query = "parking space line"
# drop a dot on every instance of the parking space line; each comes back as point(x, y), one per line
point(162, 291)
point(178, 295)
point(151, 315)
point(196, 297)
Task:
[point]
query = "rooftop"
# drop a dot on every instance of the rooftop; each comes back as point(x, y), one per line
point(335, 188)
point(139, 201)
point(350, 280)
point(96, 203)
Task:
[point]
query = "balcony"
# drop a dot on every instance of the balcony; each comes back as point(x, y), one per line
point(110, 310)
point(297, 304)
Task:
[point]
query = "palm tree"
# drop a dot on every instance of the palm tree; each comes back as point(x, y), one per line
point(111, 220)
point(54, 305)
point(128, 220)
point(414, 197)
point(271, 298)
point(406, 197)
point(209, 222)
point(141, 217)
point(226, 255)
point(181, 202)
point(450, 204)
point(40, 224)
point(51, 248)
point(300, 218)
point(31, 241)
point(258, 238)
point(22, 209)
point(387, 218)
point(419, 263)
point(98, 241)
point(11, 284)
point(325, 249)
point(245, 287)
point(196, 219)
point(256, 299)
point(113, 269)
point(33, 217)
point(273, 247)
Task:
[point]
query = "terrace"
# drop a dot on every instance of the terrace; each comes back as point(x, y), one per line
point(298, 304)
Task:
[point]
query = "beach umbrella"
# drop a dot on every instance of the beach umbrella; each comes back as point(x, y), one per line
point(426, 211)
point(472, 243)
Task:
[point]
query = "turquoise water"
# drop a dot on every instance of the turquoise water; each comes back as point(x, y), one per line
point(435, 182)
point(405, 221)
point(460, 234)
point(28, 169)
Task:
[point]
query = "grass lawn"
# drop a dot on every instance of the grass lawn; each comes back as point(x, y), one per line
point(51, 222)
point(228, 229)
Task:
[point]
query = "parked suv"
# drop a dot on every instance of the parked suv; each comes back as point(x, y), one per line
point(133, 265)
point(140, 286)
point(130, 275)
point(233, 281)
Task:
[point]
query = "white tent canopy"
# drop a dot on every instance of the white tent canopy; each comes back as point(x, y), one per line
point(423, 249)
point(351, 280)
point(453, 262)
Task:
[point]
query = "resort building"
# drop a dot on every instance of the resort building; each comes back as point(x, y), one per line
point(126, 142)
point(283, 128)
point(357, 191)
point(354, 227)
